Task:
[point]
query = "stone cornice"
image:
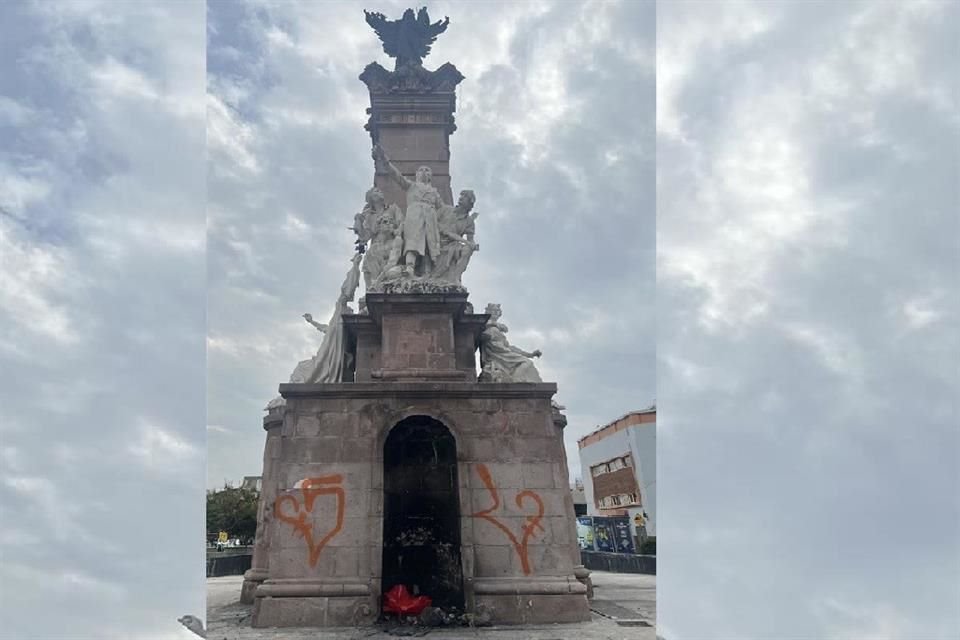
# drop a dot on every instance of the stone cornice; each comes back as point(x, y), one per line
point(421, 390)
point(411, 79)
point(381, 303)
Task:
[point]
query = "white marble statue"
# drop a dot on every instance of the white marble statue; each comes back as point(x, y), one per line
point(306, 367)
point(457, 245)
point(420, 232)
point(380, 225)
point(499, 360)
point(328, 364)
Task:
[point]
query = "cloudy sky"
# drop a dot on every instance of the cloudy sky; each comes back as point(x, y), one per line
point(807, 248)
point(555, 136)
point(159, 245)
point(102, 321)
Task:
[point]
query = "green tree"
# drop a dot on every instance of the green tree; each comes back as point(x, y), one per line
point(233, 510)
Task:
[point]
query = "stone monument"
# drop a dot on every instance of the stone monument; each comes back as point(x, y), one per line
point(389, 458)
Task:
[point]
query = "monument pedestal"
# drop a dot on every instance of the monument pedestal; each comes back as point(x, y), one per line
point(455, 488)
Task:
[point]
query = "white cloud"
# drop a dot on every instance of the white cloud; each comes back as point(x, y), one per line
point(20, 191)
point(161, 448)
point(219, 429)
point(119, 80)
point(720, 25)
point(837, 354)
point(31, 276)
point(229, 137)
point(923, 311)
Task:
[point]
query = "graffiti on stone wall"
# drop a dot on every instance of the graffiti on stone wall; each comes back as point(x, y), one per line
point(533, 521)
point(296, 516)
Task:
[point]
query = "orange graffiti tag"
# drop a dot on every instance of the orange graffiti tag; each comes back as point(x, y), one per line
point(533, 521)
point(311, 488)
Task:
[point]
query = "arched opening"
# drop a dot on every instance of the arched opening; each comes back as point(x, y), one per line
point(421, 512)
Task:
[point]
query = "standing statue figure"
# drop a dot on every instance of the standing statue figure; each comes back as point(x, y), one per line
point(499, 360)
point(407, 39)
point(328, 365)
point(456, 223)
point(421, 236)
point(380, 225)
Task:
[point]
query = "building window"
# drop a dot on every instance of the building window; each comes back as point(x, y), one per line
point(622, 462)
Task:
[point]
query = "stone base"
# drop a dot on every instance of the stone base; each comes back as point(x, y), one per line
point(321, 611)
point(252, 579)
point(535, 608)
point(313, 603)
point(532, 600)
point(583, 576)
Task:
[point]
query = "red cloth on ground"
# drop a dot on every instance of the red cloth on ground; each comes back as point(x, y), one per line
point(399, 601)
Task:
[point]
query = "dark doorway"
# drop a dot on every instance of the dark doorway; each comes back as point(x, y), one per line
point(421, 512)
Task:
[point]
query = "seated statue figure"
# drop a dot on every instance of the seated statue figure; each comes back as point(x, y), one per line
point(499, 360)
point(457, 229)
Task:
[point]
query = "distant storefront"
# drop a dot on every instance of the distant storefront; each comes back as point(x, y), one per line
point(612, 534)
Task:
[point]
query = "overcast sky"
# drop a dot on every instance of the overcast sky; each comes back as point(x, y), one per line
point(806, 297)
point(807, 307)
point(102, 294)
point(555, 136)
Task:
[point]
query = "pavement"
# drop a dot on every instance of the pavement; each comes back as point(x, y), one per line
point(624, 608)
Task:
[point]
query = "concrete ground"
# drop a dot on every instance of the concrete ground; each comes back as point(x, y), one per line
point(629, 597)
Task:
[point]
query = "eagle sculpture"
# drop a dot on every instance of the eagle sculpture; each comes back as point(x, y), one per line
point(409, 38)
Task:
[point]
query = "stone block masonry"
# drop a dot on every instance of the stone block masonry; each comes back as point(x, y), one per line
point(323, 539)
